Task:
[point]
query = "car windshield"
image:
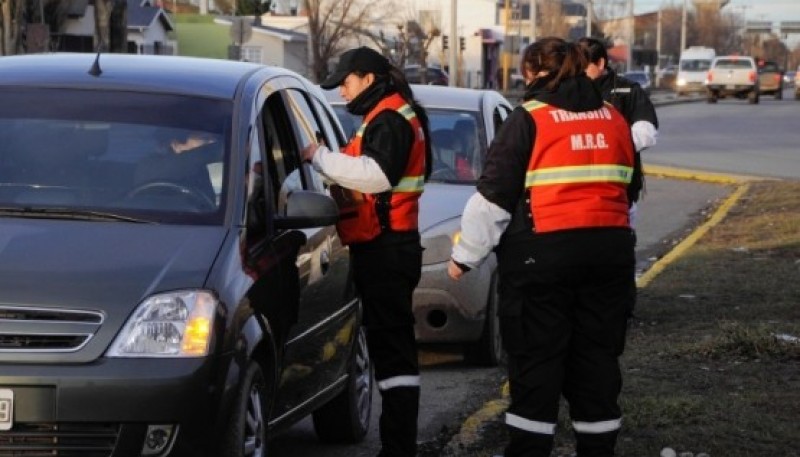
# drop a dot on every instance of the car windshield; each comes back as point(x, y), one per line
point(457, 147)
point(695, 65)
point(150, 157)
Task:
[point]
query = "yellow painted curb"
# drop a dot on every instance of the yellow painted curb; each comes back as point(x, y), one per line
point(690, 240)
point(470, 431)
point(707, 176)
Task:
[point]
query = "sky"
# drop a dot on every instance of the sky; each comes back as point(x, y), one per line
point(774, 11)
point(754, 10)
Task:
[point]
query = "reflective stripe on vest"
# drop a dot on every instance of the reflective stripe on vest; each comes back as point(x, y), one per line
point(578, 174)
point(580, 166)
point(359, 222)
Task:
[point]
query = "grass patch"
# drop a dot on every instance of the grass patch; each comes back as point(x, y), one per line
point(711, 364)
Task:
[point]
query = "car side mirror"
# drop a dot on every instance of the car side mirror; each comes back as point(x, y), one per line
point(307, 209)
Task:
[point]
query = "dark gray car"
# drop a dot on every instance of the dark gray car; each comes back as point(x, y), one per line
point(159, 299)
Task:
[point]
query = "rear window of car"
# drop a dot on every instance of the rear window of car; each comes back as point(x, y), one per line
point(114, 152)
point(732, 64)
point(769, 66)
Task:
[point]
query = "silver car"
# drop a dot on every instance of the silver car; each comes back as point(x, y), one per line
point(462, 124)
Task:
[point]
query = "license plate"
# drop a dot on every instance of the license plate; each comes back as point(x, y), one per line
point(6, 409)
point(730, 87)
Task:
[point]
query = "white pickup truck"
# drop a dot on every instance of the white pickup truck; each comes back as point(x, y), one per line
point(732, 75)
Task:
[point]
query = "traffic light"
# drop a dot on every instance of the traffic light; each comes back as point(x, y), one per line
point(444, 42)
point(461, 43)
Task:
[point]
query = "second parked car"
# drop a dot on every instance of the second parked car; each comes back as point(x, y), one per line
point(462, 123)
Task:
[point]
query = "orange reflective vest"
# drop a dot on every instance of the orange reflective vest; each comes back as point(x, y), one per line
point(365, 216)
point(580, 167)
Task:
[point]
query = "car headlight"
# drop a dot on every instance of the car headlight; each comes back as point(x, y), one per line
point(681, 82)
point(438, 242)
point(173, 324)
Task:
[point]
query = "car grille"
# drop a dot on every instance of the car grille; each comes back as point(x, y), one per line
point(60, 440)
point(31, 329)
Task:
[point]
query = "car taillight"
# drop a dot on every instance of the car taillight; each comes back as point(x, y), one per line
point(709, 77)
point(752, 76)
point(778, 78)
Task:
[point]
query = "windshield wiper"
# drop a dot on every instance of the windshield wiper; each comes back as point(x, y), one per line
point(69, 213)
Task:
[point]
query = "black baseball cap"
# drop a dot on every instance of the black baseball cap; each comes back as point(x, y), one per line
point(361, 59)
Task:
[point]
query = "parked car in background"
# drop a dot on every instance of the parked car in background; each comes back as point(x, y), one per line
point(667, 77)
point(642, 78)
point(517, 81)
point(433, 75)
point(788, 78)
point(733, 75)
point(770, 79)
point(462, 124)
point(163, 301)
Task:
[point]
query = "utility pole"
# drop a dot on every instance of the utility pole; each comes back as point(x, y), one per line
point(631, 28)
point(533, 21)
point(658, 48)
point(683, 26)
point(589, 18)
point(454, 70)
point(506, 44)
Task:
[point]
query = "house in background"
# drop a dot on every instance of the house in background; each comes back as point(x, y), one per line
point(149, 28)
point(280, 44)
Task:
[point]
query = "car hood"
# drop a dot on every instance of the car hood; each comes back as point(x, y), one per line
point(442, 202)
point(100, 266)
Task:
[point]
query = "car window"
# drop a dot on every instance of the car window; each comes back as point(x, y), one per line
point(157, 157)
point(732, 64)
point(695, 65)
point(457, 144)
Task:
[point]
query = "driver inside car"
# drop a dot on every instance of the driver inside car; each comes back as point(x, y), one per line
point(180, 165)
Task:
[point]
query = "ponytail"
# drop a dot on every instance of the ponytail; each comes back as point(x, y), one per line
point(559, 58)
point(398, 81)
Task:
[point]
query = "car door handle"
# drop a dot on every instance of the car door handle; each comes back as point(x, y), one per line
point(324, 261)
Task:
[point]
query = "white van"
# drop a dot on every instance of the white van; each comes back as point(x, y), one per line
point(692, 68)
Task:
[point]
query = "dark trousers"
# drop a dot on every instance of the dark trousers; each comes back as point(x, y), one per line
point(385, 277)
point(564, 329)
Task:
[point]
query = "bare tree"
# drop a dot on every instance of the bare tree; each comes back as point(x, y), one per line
point(11, 23)
point(331, 23)
point(411, 43)
point(552, 21)
point(110, 25)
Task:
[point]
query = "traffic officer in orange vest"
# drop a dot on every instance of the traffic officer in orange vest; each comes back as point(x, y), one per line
point(552, 204)
point(380, 177)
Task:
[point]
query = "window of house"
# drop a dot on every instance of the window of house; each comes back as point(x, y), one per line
point(251, 54)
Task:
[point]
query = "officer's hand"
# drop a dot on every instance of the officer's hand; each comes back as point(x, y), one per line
point(454, 270)
point(308, 152)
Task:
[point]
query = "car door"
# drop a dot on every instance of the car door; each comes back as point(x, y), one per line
point(316, 346)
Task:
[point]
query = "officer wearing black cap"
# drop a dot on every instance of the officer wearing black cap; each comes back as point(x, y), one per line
point(378, 179)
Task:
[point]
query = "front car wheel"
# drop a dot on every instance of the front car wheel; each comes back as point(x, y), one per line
point(345, 419)
point(247, 430)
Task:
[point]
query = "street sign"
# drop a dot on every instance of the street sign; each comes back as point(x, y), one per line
point(759, 27)
point(790, 27)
